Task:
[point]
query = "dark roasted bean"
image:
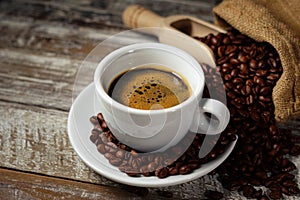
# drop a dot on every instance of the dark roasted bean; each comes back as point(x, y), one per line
point(231, 95)
point(162, 173)
point(136, 163)
point(234, 61)
point(253, 63)
point(234, 72)
point(94, 137)
point(244, 69)
point(265, 90)
point(108, 156)
point(221, 50)
point(275, 194)
point(261, 72)
point(185, 169)
point(222, 60)
point(230, 49)
point(273, 77)
point(226, 40)
point(115, 161)
point(152, 166)
point(259, 81)
point(248, 190)
point(272, 62)
point(227, 77)
point(101, 148)
point(103, 137)
point(173, 171)
point(94, 120)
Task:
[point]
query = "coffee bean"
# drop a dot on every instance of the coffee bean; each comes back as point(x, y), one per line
point(253, 63)
point(295, 150)
point(265, 91)
point(221, 50)
point(234, 61)
point(134, 153)
point(273, 77)
point(108, 156)
point(215, 41)
point(222, 60)
point(259, 80)
point(185, 169)
point(94, 137)
point(173, 170)
point(244, 69)
point(234, 72)
point(271, 61)
point(264, 99)
point(115, 161)
point(227, 77)
point(261, 72)
point(226, 40)
point(152, 166)
point(289, 183)
point(294, 190)
point(229, 86)
point(230, 49)
point(162, 173)
point(242, 57)
point(94, 120)
point(136, 163)
point(275, 194)
point(100, 117)
point(231, 95)
point(248, 190)
point(111, 144)
point(103, 138)
point(120, 154)
point(101, 148)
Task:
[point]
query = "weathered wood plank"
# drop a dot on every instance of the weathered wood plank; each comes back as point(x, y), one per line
point(47, 58)
point(97, 14)
point(26, 186)
point(38, 80)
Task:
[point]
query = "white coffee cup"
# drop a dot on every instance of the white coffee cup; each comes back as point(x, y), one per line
point(156, 130)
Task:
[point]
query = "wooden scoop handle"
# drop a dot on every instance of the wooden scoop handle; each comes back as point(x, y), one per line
point(136, 16)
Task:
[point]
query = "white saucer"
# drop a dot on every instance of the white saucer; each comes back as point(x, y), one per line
point(79, 130)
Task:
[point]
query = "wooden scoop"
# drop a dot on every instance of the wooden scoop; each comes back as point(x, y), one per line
point(176, 30)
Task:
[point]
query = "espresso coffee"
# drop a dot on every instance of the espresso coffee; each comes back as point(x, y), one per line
point(149, 88)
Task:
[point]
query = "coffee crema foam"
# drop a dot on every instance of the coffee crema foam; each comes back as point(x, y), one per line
point(149, 88)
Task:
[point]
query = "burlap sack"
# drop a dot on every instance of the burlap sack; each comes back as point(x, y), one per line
point(276, 22)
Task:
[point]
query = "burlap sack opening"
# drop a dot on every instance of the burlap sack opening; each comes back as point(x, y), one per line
point(276, 22)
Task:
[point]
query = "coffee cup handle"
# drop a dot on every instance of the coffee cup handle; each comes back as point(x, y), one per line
point(213, 125)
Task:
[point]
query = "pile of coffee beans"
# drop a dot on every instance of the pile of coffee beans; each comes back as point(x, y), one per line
point(249, 72)
point(180, 159)
point(260, 165)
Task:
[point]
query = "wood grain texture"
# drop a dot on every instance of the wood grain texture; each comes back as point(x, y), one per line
point(95, 13)
point(21, 185)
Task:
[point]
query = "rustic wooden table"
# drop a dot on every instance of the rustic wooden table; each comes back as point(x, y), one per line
point(42, 46)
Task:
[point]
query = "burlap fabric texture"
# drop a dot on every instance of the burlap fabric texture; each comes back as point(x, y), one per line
point(278, 23)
